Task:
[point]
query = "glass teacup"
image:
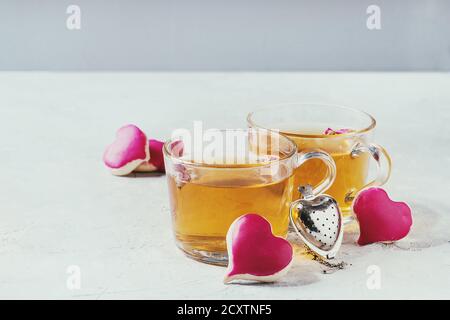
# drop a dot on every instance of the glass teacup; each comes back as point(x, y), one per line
point(307, 125)
point(242, 171)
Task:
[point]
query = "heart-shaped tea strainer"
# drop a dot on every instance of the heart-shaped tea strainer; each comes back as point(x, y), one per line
point(318, 222)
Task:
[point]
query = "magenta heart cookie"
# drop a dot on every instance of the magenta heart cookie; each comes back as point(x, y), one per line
point(381, 219)
point(254, 253)
point(156, 161)
point(128, 151)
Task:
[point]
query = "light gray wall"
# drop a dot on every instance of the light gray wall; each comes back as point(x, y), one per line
point(224, 35)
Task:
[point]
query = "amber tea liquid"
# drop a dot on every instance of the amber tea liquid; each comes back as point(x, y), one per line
point(351, 173)
point(203, 210)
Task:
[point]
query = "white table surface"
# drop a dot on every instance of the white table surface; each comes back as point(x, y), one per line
point(59, 206)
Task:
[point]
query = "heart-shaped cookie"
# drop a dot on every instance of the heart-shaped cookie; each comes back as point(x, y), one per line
point(254, 253)
point(381, 219)
point(156, 161)
point(128, 151)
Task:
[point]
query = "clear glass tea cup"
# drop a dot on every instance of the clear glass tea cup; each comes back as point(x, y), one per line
point(237, 172)
point(306, 124)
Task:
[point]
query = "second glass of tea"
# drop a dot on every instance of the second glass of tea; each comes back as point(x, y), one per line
point(231, 173)
point(306, 125)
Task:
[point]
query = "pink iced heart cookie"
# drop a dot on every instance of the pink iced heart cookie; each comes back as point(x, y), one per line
point(156, 154)
point(381, 219)
point(156, 161)
point(128, 151)
point(254, 253)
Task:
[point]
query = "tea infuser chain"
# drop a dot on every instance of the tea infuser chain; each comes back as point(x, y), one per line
point(333, 266)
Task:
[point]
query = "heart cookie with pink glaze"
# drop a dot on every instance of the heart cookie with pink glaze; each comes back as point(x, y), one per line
point(381, 219)
point(156, 160)
point(254, 253)
point(128, 151)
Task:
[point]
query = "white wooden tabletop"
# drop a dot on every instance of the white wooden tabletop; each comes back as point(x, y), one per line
point(62, 214)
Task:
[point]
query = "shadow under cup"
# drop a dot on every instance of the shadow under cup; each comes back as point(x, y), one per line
point(306, 124)
point(237, 172)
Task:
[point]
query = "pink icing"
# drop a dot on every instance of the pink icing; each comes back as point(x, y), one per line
point(381, 219)
point(130, 145)
point(156, 161)
point(156, 154)
point(254, 249)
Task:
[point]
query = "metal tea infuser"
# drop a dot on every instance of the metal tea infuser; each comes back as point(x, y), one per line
point(318, 222)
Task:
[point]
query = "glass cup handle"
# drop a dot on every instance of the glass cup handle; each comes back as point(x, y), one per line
point(306, 155)
point(378, 153)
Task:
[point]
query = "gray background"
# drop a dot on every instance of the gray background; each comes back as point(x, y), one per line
point(224, 35)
